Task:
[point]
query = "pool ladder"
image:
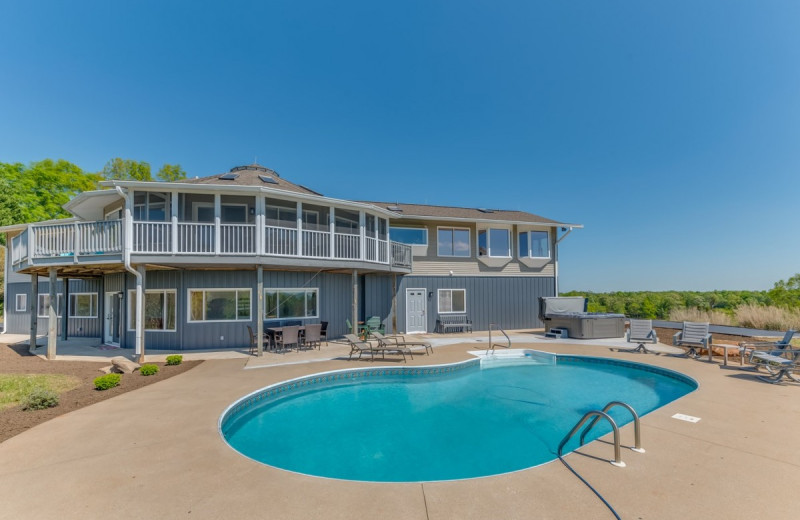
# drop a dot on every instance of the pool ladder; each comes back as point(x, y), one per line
point(490, 348)
point(597, 415)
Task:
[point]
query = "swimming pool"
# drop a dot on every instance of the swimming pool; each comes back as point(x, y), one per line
point(413, 424)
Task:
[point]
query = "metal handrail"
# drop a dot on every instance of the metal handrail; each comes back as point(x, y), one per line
point(636, 427)
point(597, 414)
point(492, 345)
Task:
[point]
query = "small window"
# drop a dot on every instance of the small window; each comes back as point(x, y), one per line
point(494, 242)
point(22, 303)
point(452, 301)
point(534, 244)
point(290, 303)
point(410, 236)
point(43, 305)
point(83, 305)
point(453, 242)
point(159, 310)
point(219, 305)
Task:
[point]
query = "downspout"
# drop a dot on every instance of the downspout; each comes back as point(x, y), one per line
point(555, 254)
point(126, 260)
point(5, 286)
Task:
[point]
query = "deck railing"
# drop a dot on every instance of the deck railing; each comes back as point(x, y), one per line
point(200, 238)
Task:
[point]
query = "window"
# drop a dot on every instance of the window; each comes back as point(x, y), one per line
point(534, 244)
point(159, 310)
point(219, 305)
point(22, 302)
point(452, 301)
point(410, 236)
point(43, 305)
point(149, 206)
point(290, 303)
point(494, 242)
point(453, 242)
point(83, 305)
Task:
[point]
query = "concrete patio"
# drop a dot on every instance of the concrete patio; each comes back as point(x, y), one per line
point(156, 453)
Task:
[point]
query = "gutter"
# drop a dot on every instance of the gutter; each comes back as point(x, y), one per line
point(126, 260)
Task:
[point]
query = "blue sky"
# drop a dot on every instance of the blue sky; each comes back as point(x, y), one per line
point(671, 130)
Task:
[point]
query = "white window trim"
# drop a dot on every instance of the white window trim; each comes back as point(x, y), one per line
point(469, 234)
point(530, 242)
point(132, 300)
point(231, 204)
point(489, 254)
point(413, 229)
point(217, 289)
point(59, 297)
point(23, 298)
point(439, 301)
point(289, 289)
point(96, 305)
point(201, 204)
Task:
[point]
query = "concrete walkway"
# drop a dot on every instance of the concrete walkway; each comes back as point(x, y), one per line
point(156, 453)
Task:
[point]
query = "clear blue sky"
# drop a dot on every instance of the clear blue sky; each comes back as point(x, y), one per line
point(670, 129)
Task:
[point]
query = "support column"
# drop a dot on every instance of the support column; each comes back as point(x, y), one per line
point(217, 222)
point(173, 212)
point(140, 285)
point(260, 212)
point(65, 319)
point(260, 310)
point(354, 310)
point(299, 229)
point(332, 224)
point(361, 240)
point(394, 304)
point(52, 325)
point(34, 306)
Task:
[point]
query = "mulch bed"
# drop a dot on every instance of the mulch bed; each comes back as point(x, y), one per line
point(17, 360)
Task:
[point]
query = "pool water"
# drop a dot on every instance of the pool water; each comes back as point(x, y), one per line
point(470, 423)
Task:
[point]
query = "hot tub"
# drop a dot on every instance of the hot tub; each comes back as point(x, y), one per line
point(570, 313)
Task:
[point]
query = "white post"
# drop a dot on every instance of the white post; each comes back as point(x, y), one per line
point(354, 313)
point(129, 222)
point(140, 283)
point(217, 221)
point(34, 307)
point(260, 211)
point(260, 310)
point(361, 239)
point(332, 223)
point(173, 211)
point(299, 229)
point(52, 325)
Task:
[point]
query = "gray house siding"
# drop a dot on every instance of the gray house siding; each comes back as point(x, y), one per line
point(20, 322)
point(512, 303)
point(378, 299)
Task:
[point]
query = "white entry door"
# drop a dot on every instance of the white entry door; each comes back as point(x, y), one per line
point(113, 318)
point(416, 320)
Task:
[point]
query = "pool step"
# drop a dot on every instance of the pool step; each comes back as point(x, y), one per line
point(517, 357)
point(557, 333)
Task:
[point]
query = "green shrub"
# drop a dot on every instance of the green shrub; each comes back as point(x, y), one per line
point(148, 370)
point(175, 359)
point(39, 399)
point(107, 381)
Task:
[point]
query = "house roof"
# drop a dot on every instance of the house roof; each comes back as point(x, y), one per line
point(428, 212)
point(251, 175)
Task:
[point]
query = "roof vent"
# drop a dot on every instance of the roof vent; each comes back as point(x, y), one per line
point(228, 176)
point(267, 179)
point(394, 208)
point(253, 167)
point(484, 210)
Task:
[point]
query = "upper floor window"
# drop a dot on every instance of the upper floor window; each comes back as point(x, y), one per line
point(534, 244)
point(219, 305)
point(453, 242)
point(410, 236)
point(494, 242)
point(149, 206)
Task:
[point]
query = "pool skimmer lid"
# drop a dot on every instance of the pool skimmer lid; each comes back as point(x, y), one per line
point(684, 417)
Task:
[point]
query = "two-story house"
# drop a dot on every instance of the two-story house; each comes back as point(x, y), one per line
point(190, 264)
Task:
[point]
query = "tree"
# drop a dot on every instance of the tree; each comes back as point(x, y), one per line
point(127, 170)
point(787, 293)
point(171, 172)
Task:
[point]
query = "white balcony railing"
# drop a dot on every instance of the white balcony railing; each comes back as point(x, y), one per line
point(152, 237)
point(99, 238)
point(346, 247)
point(370, 249)
point(238, 239)
point(280, 241)
point(316, 244)
point(196, 238)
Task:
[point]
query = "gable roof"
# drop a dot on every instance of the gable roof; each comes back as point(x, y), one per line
point(428, 212)
point(251, 175)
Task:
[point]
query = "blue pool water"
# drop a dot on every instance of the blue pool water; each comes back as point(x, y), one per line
point(409, 426)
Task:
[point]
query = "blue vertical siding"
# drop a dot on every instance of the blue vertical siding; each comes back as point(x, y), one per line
point(20, 322)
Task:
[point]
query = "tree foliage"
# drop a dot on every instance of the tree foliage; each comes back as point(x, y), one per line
point(119, 169)
point(787, 293)
point(171, 172)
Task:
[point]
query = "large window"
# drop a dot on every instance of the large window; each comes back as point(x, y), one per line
point(534, 244)
point(452, 301)
point(219, 305)
point(453, 242)
point(22, 302)
point(494, 242)
point(290, 303)
point(150, 206)
point(83, 305)
point(43, 305)
point(410, 236)
point(159, 310)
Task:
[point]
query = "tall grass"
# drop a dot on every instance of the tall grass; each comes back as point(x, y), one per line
point(767, 317)
point(695, 314)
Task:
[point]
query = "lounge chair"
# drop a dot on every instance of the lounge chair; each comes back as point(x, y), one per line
point(692, 337)
point(749, 348)
point(641, 332)
point(400, 342)
point(357, 345)
point(779, 363)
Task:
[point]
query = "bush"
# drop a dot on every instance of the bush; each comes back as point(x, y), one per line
point(107, 381)
point(148, 370)
point(768, 317)
point(694, 314)
point(175, 359)
point(39, 399)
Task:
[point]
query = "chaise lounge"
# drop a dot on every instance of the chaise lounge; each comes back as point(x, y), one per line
point(361, 346)
point(398, 341)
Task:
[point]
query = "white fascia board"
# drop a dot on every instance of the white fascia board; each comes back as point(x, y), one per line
point(490, 221)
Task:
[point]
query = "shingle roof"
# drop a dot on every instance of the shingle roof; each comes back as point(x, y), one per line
point(424, 210)
point(251, 175)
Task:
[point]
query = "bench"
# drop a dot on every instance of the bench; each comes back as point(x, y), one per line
point(458, 322)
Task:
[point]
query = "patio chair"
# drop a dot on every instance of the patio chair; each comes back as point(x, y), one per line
point(374, 323)
point(400, 342)
point(289, 336)
point(692, 337)
point(253, 343)
point(350, 327)
point(641, 332)
point(781, 363)
point(324, 331)
point(313, 335)
point(749, 348)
